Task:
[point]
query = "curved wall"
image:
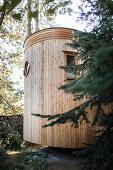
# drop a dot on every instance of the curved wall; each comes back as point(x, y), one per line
point(45, 52)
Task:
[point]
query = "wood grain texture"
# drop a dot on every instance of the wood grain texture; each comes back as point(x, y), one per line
point(48, 34)
point(45, 52)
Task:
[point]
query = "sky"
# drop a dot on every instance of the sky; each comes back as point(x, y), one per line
point(70, 21)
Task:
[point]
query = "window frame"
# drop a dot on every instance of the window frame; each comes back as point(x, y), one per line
point(26, 68)
point(68, 53)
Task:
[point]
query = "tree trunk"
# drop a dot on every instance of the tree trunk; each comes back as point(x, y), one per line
point(38, 16)
point(29, 18)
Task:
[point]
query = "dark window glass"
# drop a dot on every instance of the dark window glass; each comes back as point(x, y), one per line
point(70, 61)
point(26, 69)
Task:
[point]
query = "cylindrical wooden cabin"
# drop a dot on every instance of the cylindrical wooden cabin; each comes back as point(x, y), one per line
point(45, 51)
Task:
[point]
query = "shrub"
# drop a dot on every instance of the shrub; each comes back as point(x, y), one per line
point(9, 138)
point(2, 157)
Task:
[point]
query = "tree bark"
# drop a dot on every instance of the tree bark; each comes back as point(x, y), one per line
point(38, 16)
point(29, 18)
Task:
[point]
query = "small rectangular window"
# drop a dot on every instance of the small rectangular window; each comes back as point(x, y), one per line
point(70, 61)
point(70, 58)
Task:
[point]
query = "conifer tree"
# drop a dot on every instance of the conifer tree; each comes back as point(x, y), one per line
point(95, 50)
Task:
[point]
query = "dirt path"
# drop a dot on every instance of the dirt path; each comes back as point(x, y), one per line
point(57, 159)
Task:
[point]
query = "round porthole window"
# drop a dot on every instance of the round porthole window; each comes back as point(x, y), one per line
point(26, 69)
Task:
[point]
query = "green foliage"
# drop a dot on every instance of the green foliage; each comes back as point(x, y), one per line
point(17, 16)
point(9, 138)
point(2, 156)
point(7, 8)
point(37, 159)
point(10, 58)
point(99, 154)
point(9, 96)
point(53, 7)
point(95, 51)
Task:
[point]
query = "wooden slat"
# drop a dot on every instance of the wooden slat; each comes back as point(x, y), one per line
point(54, 33)
point(44, 51)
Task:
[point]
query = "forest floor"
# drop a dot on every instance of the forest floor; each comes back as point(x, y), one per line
point(43, 158)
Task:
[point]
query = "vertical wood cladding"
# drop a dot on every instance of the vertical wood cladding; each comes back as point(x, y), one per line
point(45, 52)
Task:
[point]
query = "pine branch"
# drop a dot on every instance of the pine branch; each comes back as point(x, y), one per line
point(73, 116)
